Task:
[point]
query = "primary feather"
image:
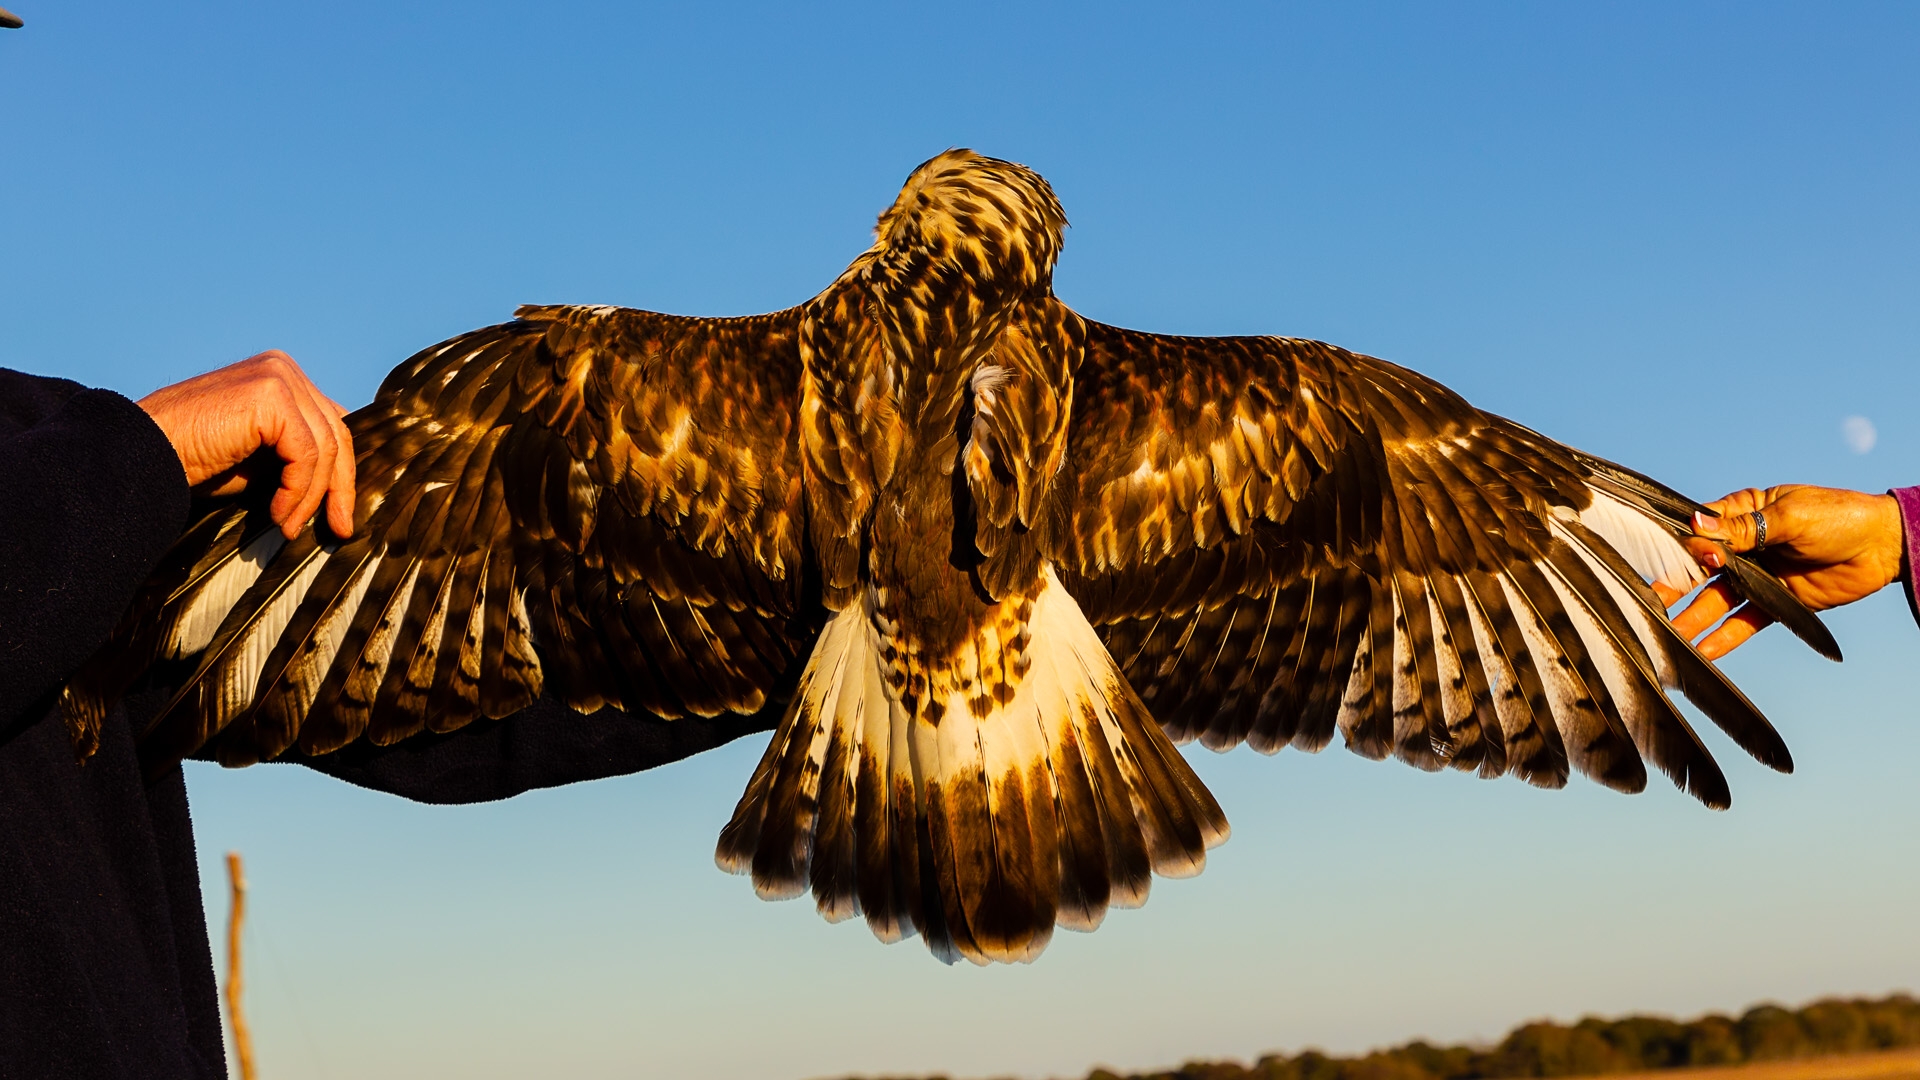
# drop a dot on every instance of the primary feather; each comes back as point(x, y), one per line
point(986, 543)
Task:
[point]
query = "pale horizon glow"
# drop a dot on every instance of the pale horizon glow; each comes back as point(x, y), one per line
point(1681, 237)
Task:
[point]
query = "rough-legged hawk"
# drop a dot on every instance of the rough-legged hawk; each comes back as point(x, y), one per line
point(992, 559)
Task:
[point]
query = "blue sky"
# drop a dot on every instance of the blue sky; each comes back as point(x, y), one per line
point(1682, 236)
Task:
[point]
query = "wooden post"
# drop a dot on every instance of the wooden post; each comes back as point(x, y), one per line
point(236, 1016)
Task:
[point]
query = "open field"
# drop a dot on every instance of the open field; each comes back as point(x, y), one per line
point(1902, 1064)
point(1885, 1065)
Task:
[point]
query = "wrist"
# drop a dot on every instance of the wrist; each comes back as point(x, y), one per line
point(155, 406)
point(1905, 521)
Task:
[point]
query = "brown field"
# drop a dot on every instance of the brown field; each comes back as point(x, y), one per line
point(1885, 1065)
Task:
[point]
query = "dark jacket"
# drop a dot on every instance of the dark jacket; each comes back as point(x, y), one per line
point(105, 968)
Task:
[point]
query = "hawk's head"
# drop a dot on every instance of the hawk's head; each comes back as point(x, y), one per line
point(995, 222)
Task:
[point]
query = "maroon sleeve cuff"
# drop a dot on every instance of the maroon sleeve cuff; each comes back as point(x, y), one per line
point(1909, 500)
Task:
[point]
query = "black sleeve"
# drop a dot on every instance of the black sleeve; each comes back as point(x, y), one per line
point(91, 495)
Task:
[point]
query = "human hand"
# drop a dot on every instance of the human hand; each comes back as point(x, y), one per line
point(219, 420)
point(1829, 547)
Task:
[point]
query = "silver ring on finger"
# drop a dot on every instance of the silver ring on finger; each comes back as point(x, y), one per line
point(1759, 529)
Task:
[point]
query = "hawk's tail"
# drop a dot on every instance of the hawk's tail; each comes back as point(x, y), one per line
point(979, 831)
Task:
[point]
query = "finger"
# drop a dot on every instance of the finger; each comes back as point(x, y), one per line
point(327, 455)
point(332, 478)
point(1668, 595)
point(260, 468)
point(1734, 632)
point(1727, 508)
point(231, 481)
point(287, 363)
point(283, 428)
point(1732, 504)
point(315, 473)
point(336, 470)
point(1708, 608)
point(1711, 554)
point(1737, 531)
point(340, 494)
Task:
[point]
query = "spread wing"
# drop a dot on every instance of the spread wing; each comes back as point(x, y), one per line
point(1278, 538)
point(600, 502)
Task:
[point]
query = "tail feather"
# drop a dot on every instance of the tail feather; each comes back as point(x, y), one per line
point(1018, 910)
point(882, 878)
point(1085, 879)
point(1129, 866)
point(973, 895)
point(834, 874)
point(766, 835)
point(983, 822)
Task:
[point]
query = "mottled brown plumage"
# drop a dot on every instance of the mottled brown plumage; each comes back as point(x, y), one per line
point(983, 543)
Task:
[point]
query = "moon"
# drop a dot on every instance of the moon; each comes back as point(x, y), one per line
point(1859, 434)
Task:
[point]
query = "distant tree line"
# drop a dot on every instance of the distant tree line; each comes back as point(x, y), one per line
point(1594, 1046)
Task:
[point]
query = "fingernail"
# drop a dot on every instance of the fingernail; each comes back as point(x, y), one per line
point(1713, 559)
point(1702, 523)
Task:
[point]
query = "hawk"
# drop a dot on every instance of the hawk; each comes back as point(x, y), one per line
point(989, 561)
